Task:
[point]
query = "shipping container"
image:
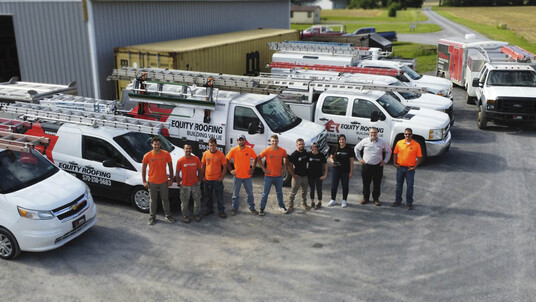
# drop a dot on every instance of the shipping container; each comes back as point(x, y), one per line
point(240, 53)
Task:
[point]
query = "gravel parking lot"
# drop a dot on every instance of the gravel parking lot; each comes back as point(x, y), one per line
point(469, 238)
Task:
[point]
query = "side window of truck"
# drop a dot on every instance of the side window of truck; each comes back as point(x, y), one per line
point(96, 149)
point(335, 105)
point(243, 116)
point(363, 108)
point(483, 75)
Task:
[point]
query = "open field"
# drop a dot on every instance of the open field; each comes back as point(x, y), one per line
point(519, 19)
point(399, 27)
point(373, 15)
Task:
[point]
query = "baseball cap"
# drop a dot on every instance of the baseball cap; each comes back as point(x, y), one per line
point(241, 136)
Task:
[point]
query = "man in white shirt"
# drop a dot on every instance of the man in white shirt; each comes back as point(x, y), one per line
point(376, 152)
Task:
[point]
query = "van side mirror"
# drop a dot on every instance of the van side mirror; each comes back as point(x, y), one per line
point(255, 127)
point(109, 163)
point(476, 83)
point(377, 116)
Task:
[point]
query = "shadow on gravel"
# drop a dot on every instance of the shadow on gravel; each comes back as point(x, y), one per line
point(461, 160)
point(437, 210)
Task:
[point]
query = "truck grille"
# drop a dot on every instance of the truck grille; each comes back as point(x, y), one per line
point(516, 105)
point(71, 209)
point(450, 111)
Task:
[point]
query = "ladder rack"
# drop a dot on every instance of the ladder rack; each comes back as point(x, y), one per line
point(331, 48)
point(85, 118)
point(344, 69)
point(21, 142)
point(67, 101)
point(281, 83)
point(32, 92)
point(517, 53)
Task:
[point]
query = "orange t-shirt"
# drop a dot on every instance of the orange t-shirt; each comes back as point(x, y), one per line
point(274, 160)
point(214, 163)
point(242, 160)
point(188, 168)
point(407, 153)
point(157, 166)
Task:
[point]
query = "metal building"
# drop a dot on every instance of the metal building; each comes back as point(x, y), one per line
point(73, 40)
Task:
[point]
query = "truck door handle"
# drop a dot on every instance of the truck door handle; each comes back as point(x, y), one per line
point(73, 163)
point(89, 167)
point(323, 119)
point(355, 123)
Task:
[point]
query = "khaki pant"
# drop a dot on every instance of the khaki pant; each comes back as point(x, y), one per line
point(186, 192)
point(164, 195)
point(297, 183)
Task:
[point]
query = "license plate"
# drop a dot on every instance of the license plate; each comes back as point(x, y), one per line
point(80, 221)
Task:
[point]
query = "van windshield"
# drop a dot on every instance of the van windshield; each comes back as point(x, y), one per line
point(136, 144)
point(410, 72)
point(392, 105)
point(278, 115)
point(20, 169)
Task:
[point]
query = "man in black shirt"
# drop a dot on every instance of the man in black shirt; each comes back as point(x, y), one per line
point(297, 166)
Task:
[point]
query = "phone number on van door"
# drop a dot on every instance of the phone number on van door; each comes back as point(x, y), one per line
point(97, 180)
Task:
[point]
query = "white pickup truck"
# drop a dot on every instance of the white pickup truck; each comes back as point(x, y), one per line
point(505, 92)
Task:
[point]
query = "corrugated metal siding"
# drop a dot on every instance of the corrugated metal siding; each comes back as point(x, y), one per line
point(175, 20)
point(52, 42)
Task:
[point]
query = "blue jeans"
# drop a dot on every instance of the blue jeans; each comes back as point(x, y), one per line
point(277, 181)
point(214, 187)
point(344, 177)
point(248, 186)
point(401, 174)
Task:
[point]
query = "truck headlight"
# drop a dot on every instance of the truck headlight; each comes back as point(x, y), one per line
point(436, 134)
point(490, 104)
point(35, 214)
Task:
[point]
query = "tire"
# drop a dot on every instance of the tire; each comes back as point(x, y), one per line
point(140, 199)
point(287, 179)
point(482, 120)
point(9, 248)
point(423, 149)
point(470, 100)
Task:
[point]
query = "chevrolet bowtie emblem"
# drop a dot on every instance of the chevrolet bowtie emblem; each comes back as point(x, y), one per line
point(74, 207)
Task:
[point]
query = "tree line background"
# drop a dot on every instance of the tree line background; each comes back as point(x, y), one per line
point(402, 4)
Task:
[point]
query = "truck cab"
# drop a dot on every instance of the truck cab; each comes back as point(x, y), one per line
point(352, 114)
point(435, 85)
point(505, 92)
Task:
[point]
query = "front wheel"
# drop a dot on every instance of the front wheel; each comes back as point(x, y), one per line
point(470, 100)
point(482, 119)
point(423, 149)
point(140, 199)
point(9, 248)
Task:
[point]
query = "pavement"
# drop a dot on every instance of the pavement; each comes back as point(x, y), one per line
point(470, 237)
point(449, 29)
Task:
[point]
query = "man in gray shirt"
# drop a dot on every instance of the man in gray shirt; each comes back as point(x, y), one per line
point(376, 152)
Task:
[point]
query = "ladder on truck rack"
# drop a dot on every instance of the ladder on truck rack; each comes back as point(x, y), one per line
point(67, 101)
point(335, 68)
point(21, 142)
point(31, 92)
point(518, 54)
point(276, 83)
point(85, 118)
point(330, 48)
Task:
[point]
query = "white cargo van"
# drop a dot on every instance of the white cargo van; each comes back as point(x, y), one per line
point(41, 207)
point(108, 159)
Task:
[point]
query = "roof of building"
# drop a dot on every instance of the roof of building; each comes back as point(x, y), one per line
point(303, 8)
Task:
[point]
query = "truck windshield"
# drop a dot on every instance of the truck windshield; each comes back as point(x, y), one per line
point(519, 78)
point(406, 95)
point(392, 105)
point(278, 115)
point(20, 170)
point(136, 144)
point(410, 72)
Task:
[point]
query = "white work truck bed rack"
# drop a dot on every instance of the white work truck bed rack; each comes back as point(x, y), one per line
point(31, 92)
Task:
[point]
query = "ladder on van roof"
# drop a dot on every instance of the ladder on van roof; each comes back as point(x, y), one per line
point(335, 68)
point(31, 92)
point(19, 142)
point(93, 119)
point(277, 84)
point(518, 54)
point(67, 101)
point(328, 48)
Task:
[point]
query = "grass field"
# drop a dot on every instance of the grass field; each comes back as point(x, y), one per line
point(373, 15)
point(399, 27)
point(520, 21)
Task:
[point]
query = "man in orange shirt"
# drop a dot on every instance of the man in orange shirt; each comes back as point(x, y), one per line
point(276, 162)
point(158, 179)
point(242, 172)
point(407, 156)
point(189, 167)
point(213, 169)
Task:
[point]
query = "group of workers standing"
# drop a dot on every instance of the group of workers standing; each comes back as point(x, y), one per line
point(308, 170)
